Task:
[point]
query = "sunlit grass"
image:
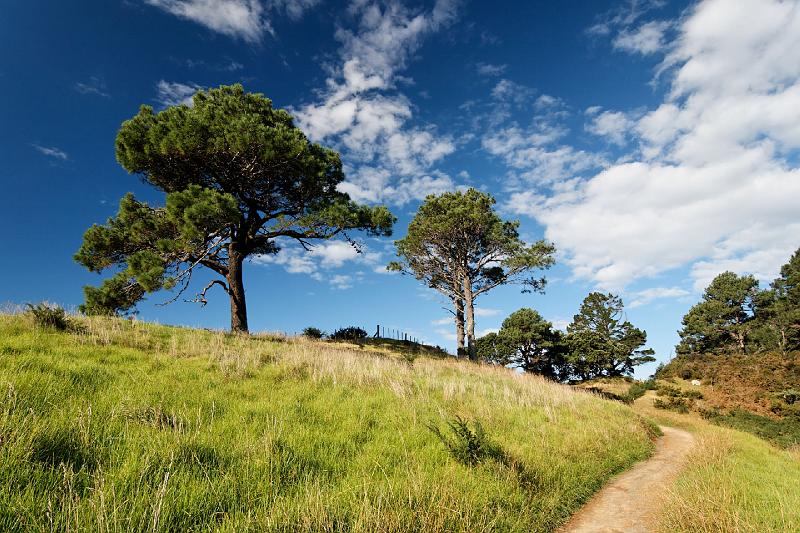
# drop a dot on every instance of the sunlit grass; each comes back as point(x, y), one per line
point(732, 482)
point(127, 426)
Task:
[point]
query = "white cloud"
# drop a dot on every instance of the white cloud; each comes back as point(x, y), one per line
point(536, 158)
point(623, 17)
point(612, 125)
point(646, 296)
point(51, 151)
point(368, 125)
point(645, 40)
point(510, 91)
point(94, 85)
point(488, 69)
point(175, 93)
point(322, 258)
point(295, 8)
point(243, 19)
point(716, 182)
point(483, 311)
point(341, 281)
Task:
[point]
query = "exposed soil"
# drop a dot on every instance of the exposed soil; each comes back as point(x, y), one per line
point(630, 502)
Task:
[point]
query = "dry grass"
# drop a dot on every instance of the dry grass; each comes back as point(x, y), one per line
point(733, 482)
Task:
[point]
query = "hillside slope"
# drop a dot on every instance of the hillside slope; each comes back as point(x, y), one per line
point(130, 426)
point(757, 383)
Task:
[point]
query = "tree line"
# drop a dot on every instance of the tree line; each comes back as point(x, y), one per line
point(599, 342)
point(736, 315)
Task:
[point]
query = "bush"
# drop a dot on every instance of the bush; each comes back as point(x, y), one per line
point(468, 446)
point(352, 333)
point(313, 333)
point(783, 433)
point(680, 405)
point(637, 390)
point(789, 396)
point(48, 316)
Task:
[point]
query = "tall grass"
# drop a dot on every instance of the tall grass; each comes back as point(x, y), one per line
point(732, 482)
point(126, 426)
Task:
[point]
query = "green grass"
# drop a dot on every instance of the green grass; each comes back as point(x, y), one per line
point(126, 426)
point(784, 433)
point(733, 482)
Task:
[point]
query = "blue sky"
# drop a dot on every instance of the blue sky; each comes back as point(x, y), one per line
point(654, 142)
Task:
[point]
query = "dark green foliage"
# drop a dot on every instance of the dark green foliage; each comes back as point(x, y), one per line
point(238, 176)
point(638, 389)
point(313, 333)
point(783, 433)
point(527, 341)
point(735, 315)
point(468, 445)
point(723, 318)
point(778, 310)
point(789, 396)
point(674, 392)
point(681, 405)
point(48, 316)
point(351, 333)
point(457, 245)
point(601, 343)
point(117, 296)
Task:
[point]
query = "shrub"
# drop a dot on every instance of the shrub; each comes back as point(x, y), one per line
point(352, 333)
point(313, 333)
point(48, 316)
point(789, 396)
point(680, 405)
point(468, 446)
point(636, 390)
point(783, 433)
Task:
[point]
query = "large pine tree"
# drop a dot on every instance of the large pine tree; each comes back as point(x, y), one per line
point(237, 175)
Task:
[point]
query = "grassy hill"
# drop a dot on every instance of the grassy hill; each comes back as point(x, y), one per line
point(127, 426)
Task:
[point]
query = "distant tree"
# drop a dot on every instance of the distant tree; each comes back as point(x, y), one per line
point(529, 342)
point(457, 245)
point(238, 174)
point(601, 342)
point(723, 318)
point(778, 309)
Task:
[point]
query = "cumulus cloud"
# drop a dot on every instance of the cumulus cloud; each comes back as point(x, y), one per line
point(175, 93)
point(611, 125)
point(716, 180)
point(644, 40)
point(247, 20)
point(243, 19)
point(322, 258)
point(362, 114)
point(535, 156)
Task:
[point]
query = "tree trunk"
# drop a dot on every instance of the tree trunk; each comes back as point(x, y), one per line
point(469, 304)
point(236, 291)
point(459, 317)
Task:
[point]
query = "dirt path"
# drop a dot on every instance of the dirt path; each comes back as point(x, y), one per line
point(628, 503)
